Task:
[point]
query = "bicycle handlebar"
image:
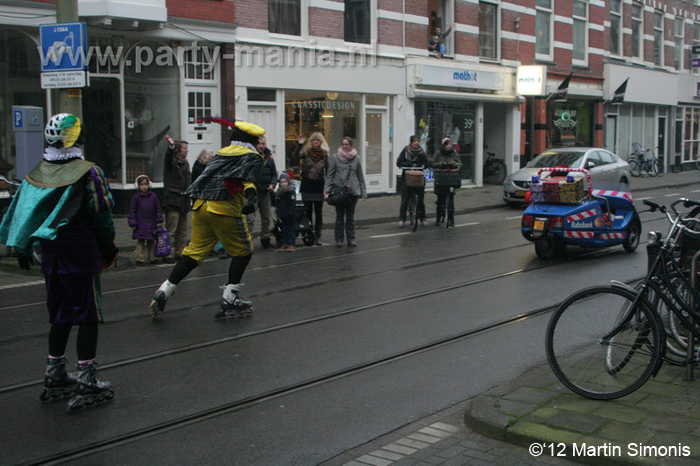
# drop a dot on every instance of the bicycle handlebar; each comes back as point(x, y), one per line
point(12, 183)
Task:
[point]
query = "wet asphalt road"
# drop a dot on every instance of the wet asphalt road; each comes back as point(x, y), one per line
point(346, 344)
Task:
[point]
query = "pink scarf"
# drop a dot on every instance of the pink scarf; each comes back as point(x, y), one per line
point(346, 157)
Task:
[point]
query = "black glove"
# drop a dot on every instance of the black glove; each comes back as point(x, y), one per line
point(108, 253)
point(25, 261)
point(251, 200)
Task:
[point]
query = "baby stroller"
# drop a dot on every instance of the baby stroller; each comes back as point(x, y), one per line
point(302, 225)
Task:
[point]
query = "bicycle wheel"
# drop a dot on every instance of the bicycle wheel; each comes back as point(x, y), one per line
point(450, 207)
point(588, 361)
point(634, 169)
point(659, 169)
point(414, 210)
point(697, 161)
point(411, 211)
point(495, 172)
point(652, 168)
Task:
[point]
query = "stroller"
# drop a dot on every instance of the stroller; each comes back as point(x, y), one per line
point(302, 225)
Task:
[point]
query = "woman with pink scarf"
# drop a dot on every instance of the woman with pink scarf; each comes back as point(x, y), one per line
point(346, 170)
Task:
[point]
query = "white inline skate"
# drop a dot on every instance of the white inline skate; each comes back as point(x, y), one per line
point(90, 390)
point(232, 305)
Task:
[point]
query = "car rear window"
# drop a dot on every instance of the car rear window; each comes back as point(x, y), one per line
point(557, 159)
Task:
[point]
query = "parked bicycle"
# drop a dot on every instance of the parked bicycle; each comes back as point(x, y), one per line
point(494, 169)
point(605, 342)
point(644, 162)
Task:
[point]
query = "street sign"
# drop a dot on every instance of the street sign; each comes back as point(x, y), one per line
point(695, 62)
point(696, 49)
point(64, 79)
point(63, 46)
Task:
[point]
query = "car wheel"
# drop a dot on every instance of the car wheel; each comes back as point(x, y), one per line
point(624, 181)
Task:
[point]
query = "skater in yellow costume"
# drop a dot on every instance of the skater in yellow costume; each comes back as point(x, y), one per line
point(223, 195)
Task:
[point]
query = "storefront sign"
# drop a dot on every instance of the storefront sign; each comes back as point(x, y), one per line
point(324, 104)
point(457, 77)
point(532, 80)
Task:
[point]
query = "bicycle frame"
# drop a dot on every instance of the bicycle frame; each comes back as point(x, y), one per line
point(658, 281)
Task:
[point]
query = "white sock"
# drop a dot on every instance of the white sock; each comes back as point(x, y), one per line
point(167, 288)
point(231, 291)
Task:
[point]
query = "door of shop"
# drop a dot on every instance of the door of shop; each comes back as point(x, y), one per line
point(202, 101)
point(611, 133)
point(265, 116)
point(375, 153)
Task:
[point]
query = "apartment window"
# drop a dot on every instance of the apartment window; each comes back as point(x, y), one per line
point(580, 29)
point(637, 30)
point(488, 28)
point(544, 28)
point(696, 42)
point(616, 27)
point(284, 17)
point(658, 38)
point(679, 39)
point(198, 64)
point(357, 25)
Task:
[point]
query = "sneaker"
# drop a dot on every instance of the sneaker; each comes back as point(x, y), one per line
point(338, 245)
point(352, 244)
point(290, 249)
point(423, 223)
point(140, 263)
point(402, 223)
point(318, 242)
point(281, 248)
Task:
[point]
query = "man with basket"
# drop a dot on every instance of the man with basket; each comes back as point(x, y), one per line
point(412, 156)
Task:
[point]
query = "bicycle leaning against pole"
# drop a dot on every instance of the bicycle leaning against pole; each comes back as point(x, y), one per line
point(640, 163)
point(604, 342)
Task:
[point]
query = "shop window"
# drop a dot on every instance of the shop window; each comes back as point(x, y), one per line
point(332, 114)
point(198, 65)
point(374, 99)
point(102, 124)
point(488, 30)
point(357, 21)
point(658, 38)
point(19, 75)
point(151, 110)
point(543, 45)
point(284, 17)
point(637, 30)
point(679, 38)
point(616, 27)
point(570, 124)
point(436, 120)
point(580, 31)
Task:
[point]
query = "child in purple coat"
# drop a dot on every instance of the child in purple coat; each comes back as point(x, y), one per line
point(144, 216)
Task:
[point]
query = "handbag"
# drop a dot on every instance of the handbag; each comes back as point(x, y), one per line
point(162, 247)
point(340, 196)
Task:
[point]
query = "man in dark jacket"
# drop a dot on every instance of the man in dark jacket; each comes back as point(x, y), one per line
point(266, 188)
point(176, 178)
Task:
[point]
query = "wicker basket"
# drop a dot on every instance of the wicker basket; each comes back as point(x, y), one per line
point(415, 178)
point(447, 177)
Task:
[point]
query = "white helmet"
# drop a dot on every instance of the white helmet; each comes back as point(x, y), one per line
point(58, 129)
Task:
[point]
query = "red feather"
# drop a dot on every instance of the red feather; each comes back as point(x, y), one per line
point(221, 121)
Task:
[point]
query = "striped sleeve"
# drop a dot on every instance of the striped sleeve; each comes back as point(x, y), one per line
point(100, 199)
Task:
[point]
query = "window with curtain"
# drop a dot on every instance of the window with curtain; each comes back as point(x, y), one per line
point(679, 39)
point(658, 38)
point(357, 21)
point(488, 28)
point(580, 29)
point(637, 30)
point(543, 44)
point(284, 17)
point(616, 27)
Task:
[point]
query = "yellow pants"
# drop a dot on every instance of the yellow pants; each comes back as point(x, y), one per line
point(209, 228)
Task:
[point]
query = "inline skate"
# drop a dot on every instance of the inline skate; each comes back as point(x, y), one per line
point(90, 390)
point(58, 383)
point(161, 296)
point(233, 306)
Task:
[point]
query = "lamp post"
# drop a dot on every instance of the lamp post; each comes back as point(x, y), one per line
point(68, 100)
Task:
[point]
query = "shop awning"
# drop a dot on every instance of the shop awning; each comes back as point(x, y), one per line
point(414, 93)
